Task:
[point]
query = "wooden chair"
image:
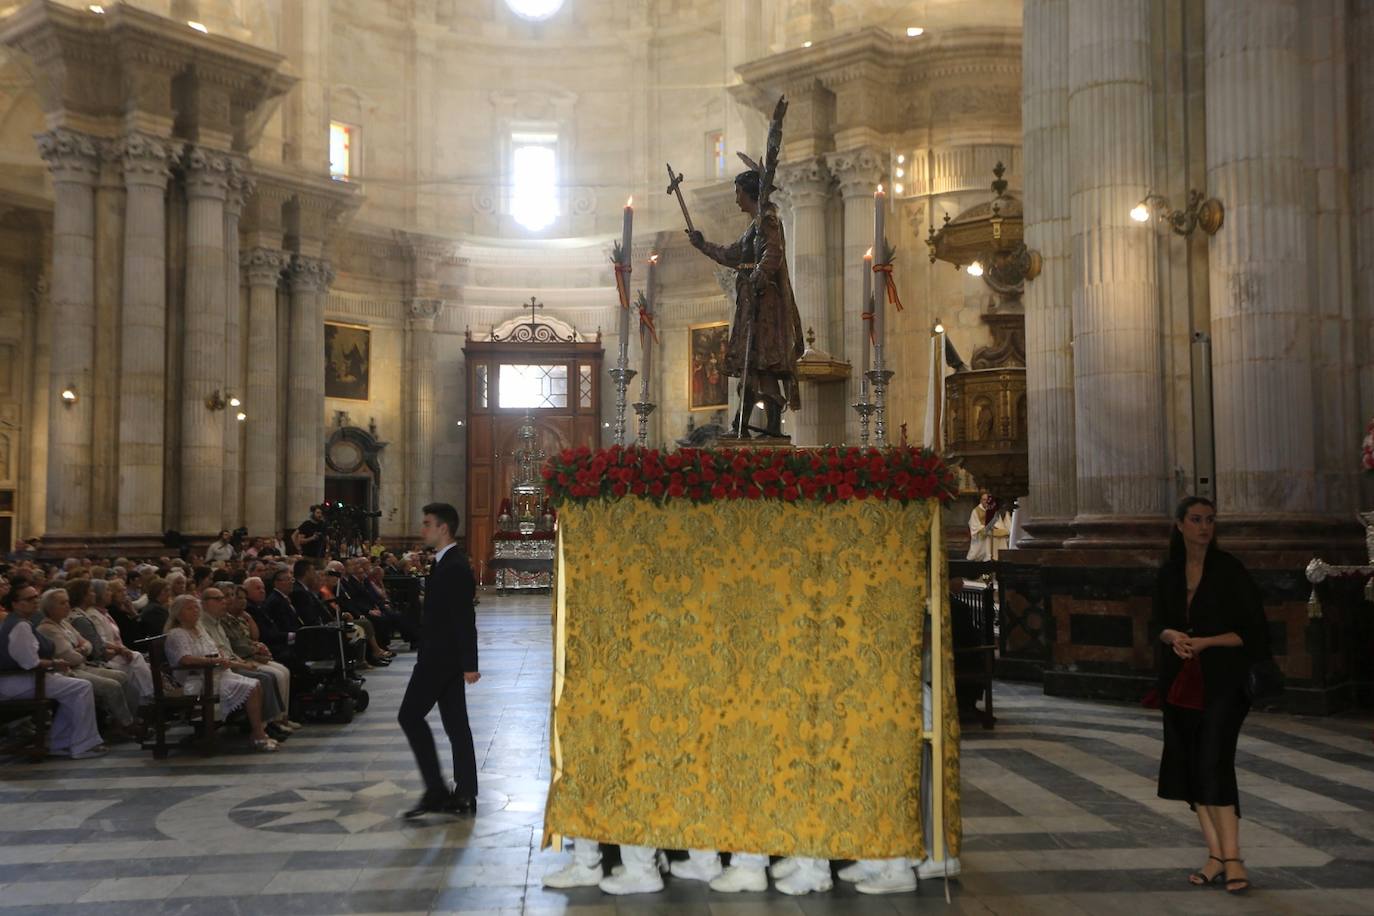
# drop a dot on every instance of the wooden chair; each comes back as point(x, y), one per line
point(167, 707)
point(39, 710)
point(976, 644)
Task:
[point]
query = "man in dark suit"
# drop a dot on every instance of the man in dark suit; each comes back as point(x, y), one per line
point(445, 665)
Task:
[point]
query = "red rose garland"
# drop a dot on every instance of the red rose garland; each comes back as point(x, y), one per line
point(705, 475)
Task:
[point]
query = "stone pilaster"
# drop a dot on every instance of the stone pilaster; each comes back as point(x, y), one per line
point(858, 173)
point(420, 404)
point(73, 158)
point(807, 185)
point(143, 333)
point(262, 269)
point(1362, 137)
point(309, 280)
point(203, 362)
point(1118, 401)
point(1049, 298)
point(240, 187)
point(1259, 272)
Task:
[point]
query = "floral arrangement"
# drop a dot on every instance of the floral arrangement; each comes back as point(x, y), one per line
point(705, 475)
point(1367, 458)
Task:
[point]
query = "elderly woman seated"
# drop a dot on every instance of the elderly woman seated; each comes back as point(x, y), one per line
point(113, 689)
point(189, 647)
point(74, 733)
point(91, 618)
point(273, 677)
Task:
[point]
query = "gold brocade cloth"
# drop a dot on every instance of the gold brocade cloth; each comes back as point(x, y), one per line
point(746, 676)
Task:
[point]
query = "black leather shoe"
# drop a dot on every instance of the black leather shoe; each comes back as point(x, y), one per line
point(459, 804)
point(429, 804)
point(276, 732)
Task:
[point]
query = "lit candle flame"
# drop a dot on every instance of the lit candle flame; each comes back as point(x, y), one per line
point(629, 202)
point(880, 189)
point(868, 255)
point(653, 258)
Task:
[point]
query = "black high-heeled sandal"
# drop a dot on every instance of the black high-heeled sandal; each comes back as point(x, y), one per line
point(1199, 878)
point(1242, 884)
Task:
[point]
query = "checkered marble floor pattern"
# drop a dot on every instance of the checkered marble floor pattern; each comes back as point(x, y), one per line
point(1060, 817)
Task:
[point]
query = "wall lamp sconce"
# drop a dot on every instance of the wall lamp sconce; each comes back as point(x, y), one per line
point(1207, 214)
point(69, 396)
point(241, 416)
point(217, 401)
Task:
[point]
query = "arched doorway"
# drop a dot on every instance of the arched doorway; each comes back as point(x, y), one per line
point(538, 367)
point(353, 474)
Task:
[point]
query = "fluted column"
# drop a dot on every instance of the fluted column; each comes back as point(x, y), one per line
point(309, 278)
point(1049, 299)
point(858, 172)
point(1362, 137)
point(143, 334)
point(73, 159)
point(419, 402)
point(1259, 280)
point(202, 371)
point(807, 186)
point(240, 186)
point(1119, 418)
point(262, 269)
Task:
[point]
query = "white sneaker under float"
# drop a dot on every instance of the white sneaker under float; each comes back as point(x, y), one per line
point(633, 882)
point(860, 870)
point(574, 875)
point(740, 879)
point(896, 878)
point(783, 867)
point(805, 879)
point(929, 868)
point(697, 869)
point(661, 858)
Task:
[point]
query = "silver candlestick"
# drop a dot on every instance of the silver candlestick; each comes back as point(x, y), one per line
point(622, 377)
point(878, 377)
point(642, 410)
point(864, 410)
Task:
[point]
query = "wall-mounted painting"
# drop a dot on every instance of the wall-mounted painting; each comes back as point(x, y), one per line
point(347, 360)
point(708, 387)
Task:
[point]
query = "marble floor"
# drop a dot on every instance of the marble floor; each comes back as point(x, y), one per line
point(1060, 817)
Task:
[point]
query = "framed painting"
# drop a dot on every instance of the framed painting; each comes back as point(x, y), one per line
point(347, 360)
point(708, 387)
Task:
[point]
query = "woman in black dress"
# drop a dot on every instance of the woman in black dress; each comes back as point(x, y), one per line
point(1211, 626)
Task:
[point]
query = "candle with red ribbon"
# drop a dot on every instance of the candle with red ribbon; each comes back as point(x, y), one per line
point(623, 284)
point(867, 315)
point(647, 335)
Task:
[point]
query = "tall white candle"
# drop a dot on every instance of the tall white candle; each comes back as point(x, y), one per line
point(868, 321)
point(646, 340)
point(626, 239)
point(879, 257)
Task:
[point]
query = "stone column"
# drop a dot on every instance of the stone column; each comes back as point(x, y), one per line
point(420, 404)
point(143, 334)
point(109, 268)
point(309, 278)
point(262, 269)
point(74, 161)
point(858, 172)
point(1259, 276)
point(240, 186)
point(807, 186)
point(202, 371)
point(1362, 137)
point(1118, 396)
point(1048, 298)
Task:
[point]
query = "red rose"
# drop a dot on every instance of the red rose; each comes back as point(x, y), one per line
point(638, 488)
point(676, 490)
point(770, 492)
point(790, 493)
point(656, 488)
point(696, 493)
point(673, 461)
point(619, 489)
point(675, 477)
point(563, 480)
point(582, 451)
point(845, 491)
point(740, 464)
point(566, 456)
point(830, 496)
point(708, 473)
point(718, 492)
point(752, 492)
point(860, 493)
point(546, 472)
point(789, 478)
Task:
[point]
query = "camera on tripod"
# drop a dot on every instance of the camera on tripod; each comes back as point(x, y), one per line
point(347, 524)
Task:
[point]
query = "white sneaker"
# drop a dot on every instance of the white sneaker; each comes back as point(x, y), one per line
point(574, 875)
point(929, 868)
point(783, 867)
point(697, 870)
point(805, 880)
point(737, 879)
point(861, 870)
point(638, 882)
point(661, 859)
point(897, 880)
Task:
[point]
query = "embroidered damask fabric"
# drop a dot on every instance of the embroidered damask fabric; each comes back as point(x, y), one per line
point(745, 676)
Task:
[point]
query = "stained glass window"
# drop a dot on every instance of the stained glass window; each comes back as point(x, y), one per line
point(341, 139)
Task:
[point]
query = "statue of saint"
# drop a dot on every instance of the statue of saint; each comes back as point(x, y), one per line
point(766, 333)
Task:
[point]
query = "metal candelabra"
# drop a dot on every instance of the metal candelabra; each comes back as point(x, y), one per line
point(622, 376)
point(864, 409)
point(878, 377)
point(642, 410)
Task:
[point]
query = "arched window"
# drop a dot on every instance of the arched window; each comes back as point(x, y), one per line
point(534, 9)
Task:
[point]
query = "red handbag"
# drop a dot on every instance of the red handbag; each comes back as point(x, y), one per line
point(1186, 690)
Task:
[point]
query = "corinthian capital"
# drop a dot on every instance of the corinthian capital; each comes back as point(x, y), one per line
point(207, 171)
point(262, 266)
point(858, 170)
point(421, 309)
point(805, 181)
point(309, 275)
point(72, 156)
point(146, 159)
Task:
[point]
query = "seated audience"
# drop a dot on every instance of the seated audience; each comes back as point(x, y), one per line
point(152, 620)
point(221, 550)
point(95, 623)
point(275, 680)
point(189, 647)
point(74, 733)
point(113, 689)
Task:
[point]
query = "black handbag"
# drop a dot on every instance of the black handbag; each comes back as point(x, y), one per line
point(1265, 681)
